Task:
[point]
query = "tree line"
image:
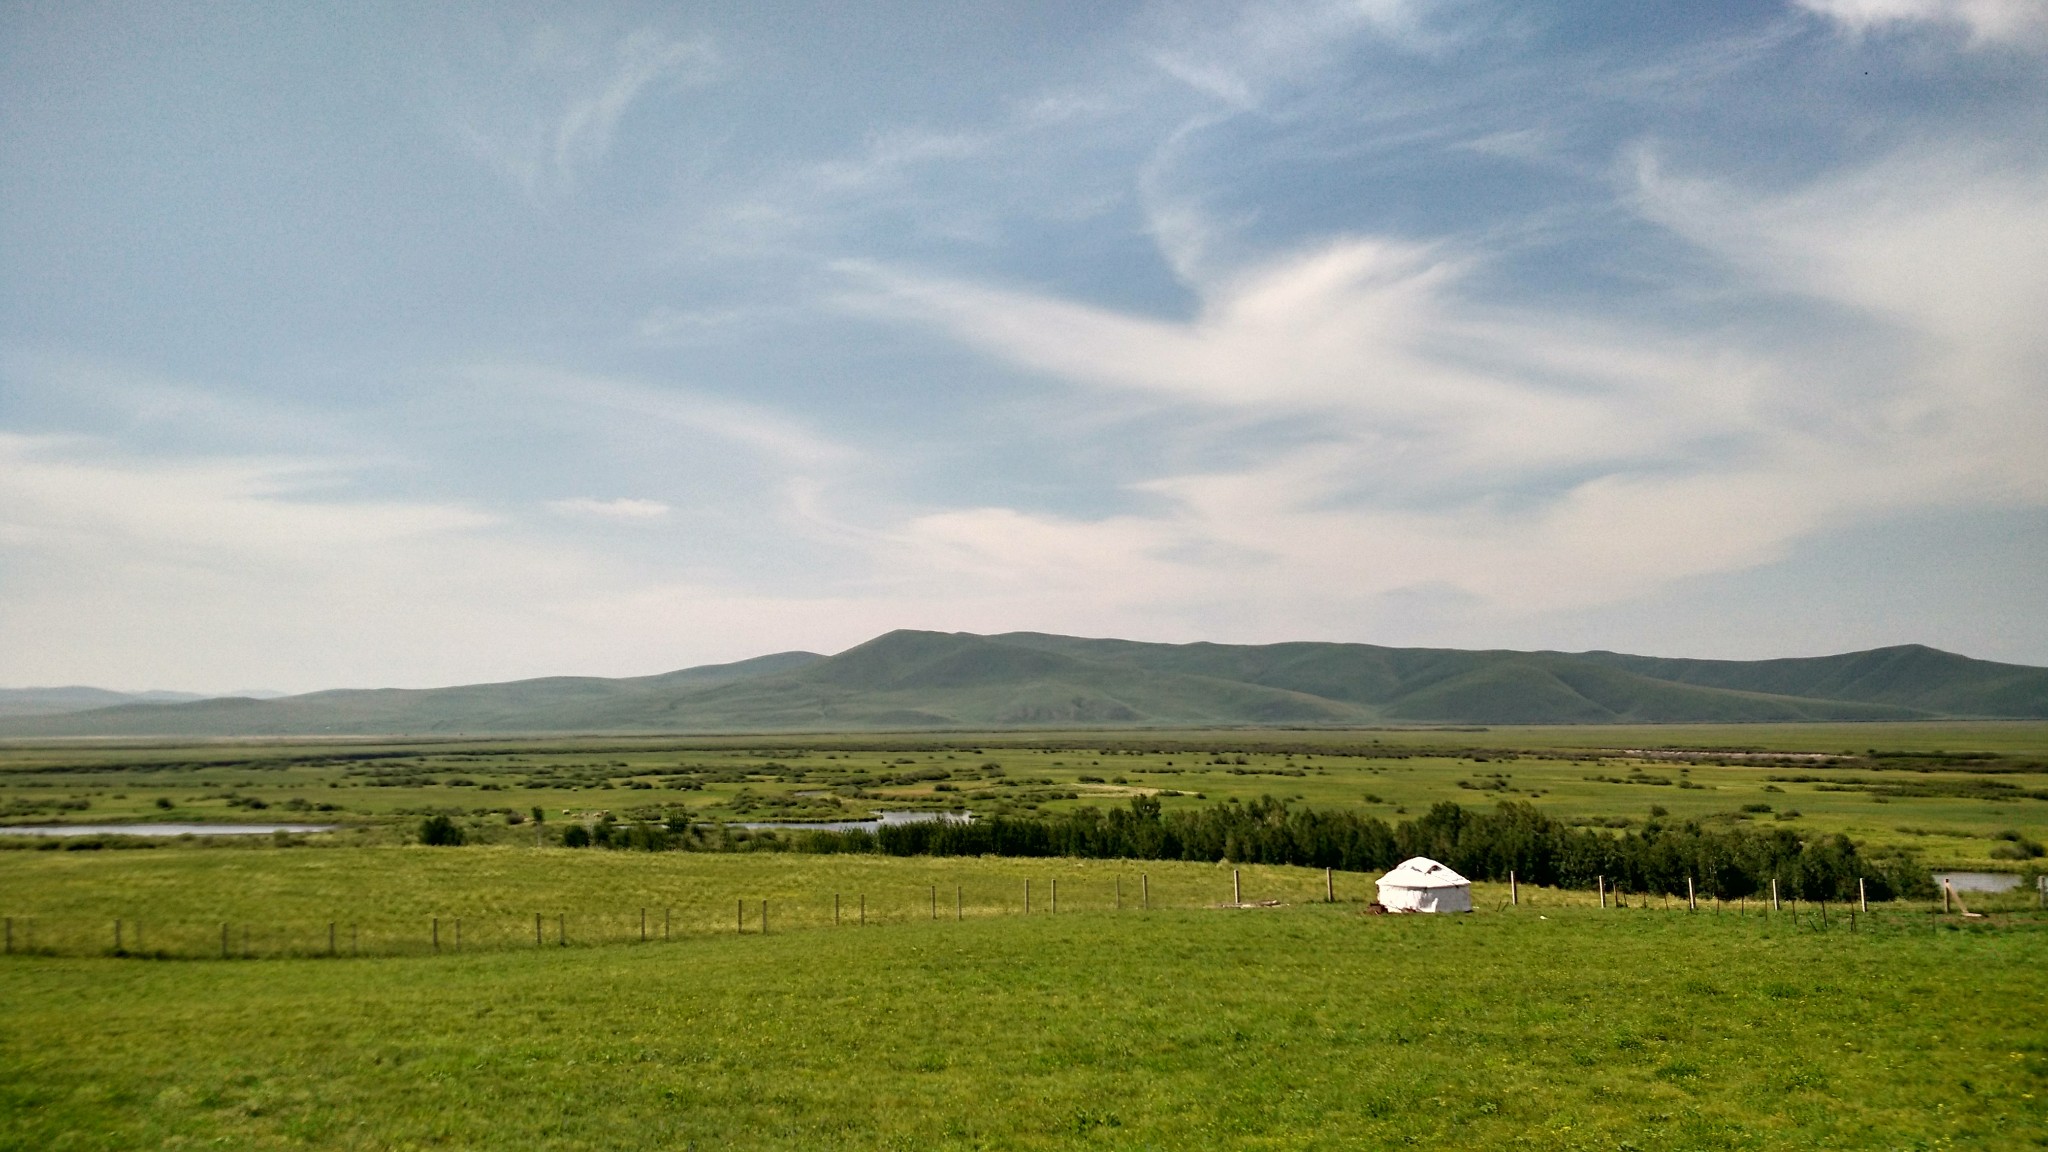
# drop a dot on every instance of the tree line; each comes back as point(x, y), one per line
point(1482, 845)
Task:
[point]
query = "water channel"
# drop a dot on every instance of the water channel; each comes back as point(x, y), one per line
point(160, 829)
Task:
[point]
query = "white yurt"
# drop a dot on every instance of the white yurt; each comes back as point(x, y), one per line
point(1423, 885)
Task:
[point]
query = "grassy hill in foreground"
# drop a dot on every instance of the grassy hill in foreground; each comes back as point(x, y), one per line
point(910, 679)
point(1550, 1026)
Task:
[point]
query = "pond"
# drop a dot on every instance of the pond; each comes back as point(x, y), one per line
point(879, 819)
point(160, 829)
point(1978, 881)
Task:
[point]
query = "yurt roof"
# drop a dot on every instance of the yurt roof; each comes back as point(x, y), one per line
point(1422, 872)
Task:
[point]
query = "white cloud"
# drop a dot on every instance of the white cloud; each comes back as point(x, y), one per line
point(550, 115)
point(2006, 22)
point(623, 509)
point(1518, 458)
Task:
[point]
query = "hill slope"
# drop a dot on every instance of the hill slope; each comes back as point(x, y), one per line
point(909, 679)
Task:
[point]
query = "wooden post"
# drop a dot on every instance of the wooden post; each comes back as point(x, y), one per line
point(835, 909)
point(959, 903)
point(536, 929)
point(1330, 884)
point(1027, 897)
point(1944, 897)
point(1236, 888)
point(1692, 900)
point(740, 915)
point(764, 917)
point(643, 925)
point(1862, 900)
point(1600, 882)
point(1055, 895)
point(437, 933)
point(1145, 884)
point(1774, 894)
point(1514, 893)
point(935, 901)
point(863, 909)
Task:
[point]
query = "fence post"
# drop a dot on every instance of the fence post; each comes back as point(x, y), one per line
point(1601, 883)
point(1692, 902)
point(536, 930)
point(1055, 895)
point(959, 903)
point(1027, 897)
point(643, 925)
point(1236, 888)
point(863, 909)
point(835, 909)
point(935, 901)
point(1862, 900)
point(764, 917)
point(1145, 886)
point(740, 915)
point(665, 919)
point(1774, 894)
point(1330, 884)
point(1514, 893)
point(1944, 897)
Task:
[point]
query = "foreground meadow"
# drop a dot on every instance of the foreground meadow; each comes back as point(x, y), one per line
point(1550, 1025)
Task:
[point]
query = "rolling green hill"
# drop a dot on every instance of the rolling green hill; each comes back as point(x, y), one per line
point(909, 679)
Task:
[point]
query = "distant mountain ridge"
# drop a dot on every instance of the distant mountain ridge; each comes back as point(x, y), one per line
point(1021, 680)
point(78, 698)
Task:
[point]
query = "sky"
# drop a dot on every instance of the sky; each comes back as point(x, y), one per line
point(379, 344)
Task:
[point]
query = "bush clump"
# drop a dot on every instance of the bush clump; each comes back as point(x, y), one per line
point(441, 832)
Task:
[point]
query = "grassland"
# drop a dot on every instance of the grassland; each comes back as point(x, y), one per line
point(1818, 778)
point(1553, 1025)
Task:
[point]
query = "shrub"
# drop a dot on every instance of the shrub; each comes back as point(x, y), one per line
point(440, 831)
point(575, 836)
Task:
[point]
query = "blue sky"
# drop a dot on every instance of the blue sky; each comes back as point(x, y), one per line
point(379, 344)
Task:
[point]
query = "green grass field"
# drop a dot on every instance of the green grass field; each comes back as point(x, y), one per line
point(1549, 1025)
point(1612, 775)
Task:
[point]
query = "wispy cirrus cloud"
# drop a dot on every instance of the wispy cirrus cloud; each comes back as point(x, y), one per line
point(625, 509)
point(1987, 22)
point(551, 112)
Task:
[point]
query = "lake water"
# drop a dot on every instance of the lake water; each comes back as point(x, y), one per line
point(1978, 881)
point(880, 819)
point(160, 829)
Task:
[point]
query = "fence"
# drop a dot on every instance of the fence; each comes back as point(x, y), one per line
point(342, 936)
